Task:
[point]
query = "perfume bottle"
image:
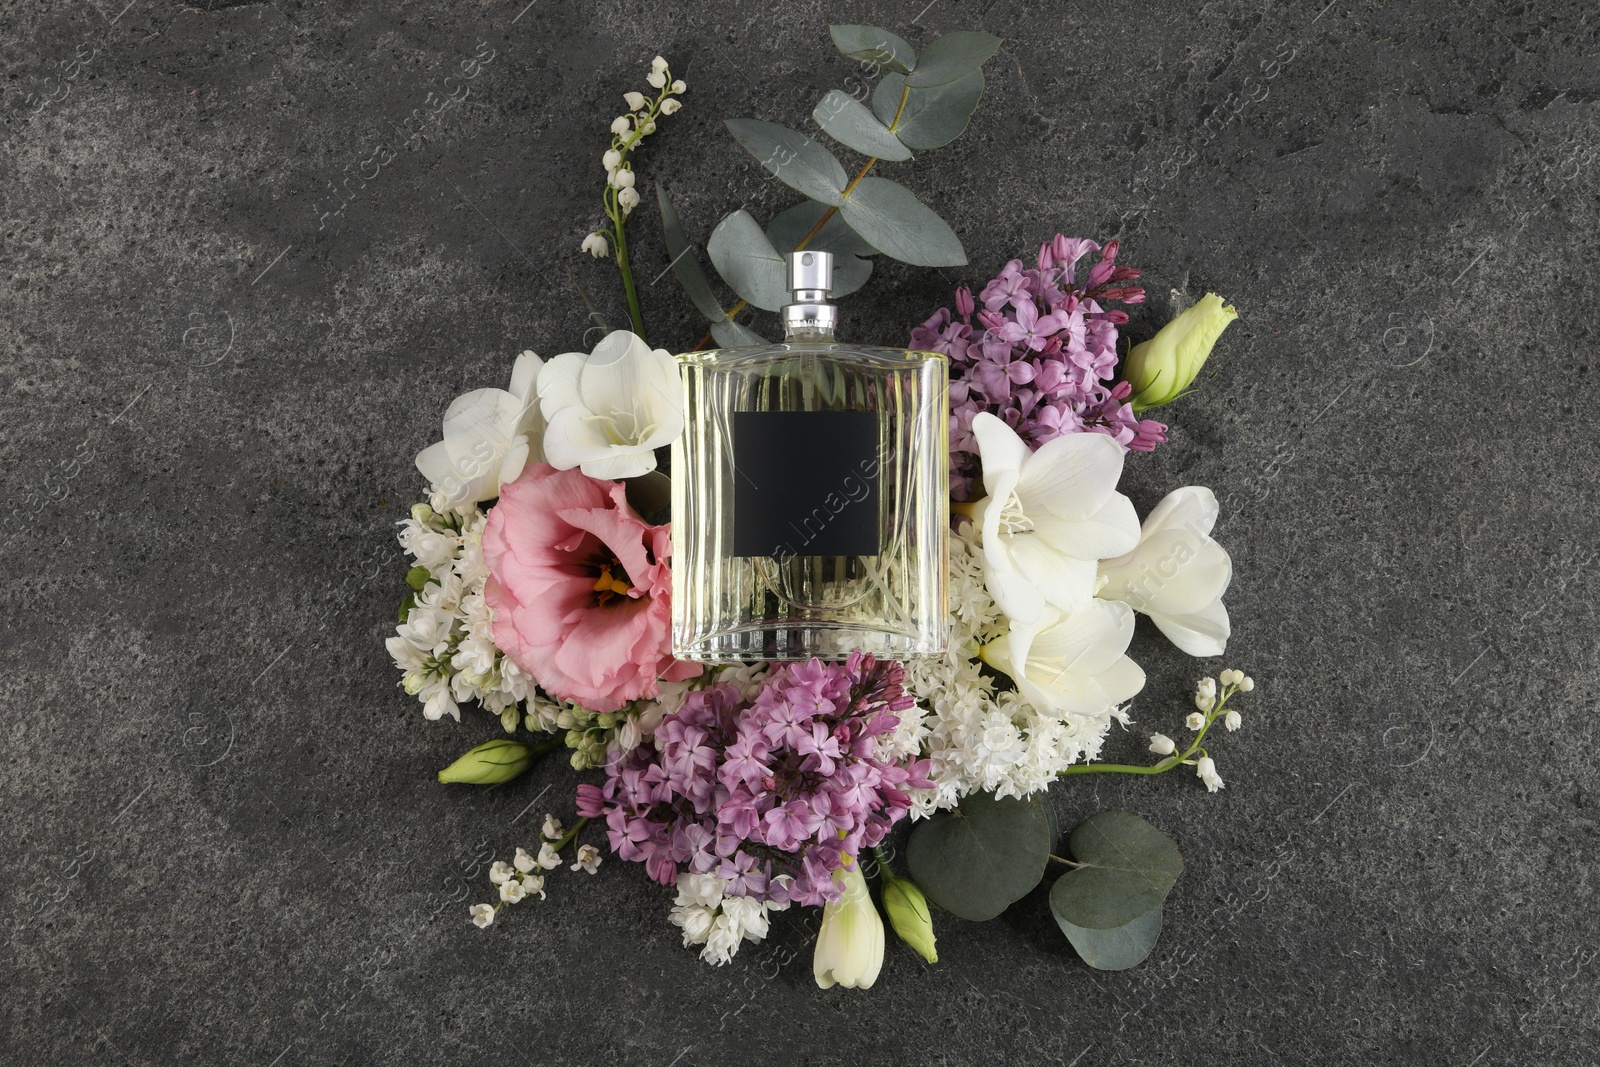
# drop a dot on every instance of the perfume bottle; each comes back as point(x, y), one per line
point(810, 500)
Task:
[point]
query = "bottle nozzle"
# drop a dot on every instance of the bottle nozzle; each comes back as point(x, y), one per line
point(810, 282)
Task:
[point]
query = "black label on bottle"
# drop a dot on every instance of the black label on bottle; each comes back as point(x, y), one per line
point(805, 483)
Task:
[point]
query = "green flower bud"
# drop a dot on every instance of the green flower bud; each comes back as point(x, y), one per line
point(422, 513)
point(908, 914)
point(490, 763)
point(566, 720)
point(1164, 366)
point(413, 682)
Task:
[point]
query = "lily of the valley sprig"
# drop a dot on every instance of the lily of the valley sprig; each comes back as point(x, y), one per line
point(621, 192)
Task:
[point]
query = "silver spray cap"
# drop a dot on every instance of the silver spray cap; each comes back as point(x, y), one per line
point(810, 281)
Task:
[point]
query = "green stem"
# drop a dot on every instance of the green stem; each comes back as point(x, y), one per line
point(1169, 762)
point(566, 839)
point(625, 268)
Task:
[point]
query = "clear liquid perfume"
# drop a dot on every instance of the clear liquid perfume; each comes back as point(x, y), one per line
point(810, 500)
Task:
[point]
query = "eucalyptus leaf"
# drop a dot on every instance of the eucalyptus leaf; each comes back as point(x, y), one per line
point(850, 271)
point(793, 158)
point(953, 55)
point(1116, 949)
point(748, 262)
point(848, 121)
point(875, 45)
point(685, 263)
point(1129, 867)
point(891, 219)
point(730, 334)
point(978, 859)
point(932, 117)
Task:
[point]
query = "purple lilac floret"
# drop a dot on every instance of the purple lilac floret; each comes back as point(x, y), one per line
point(773, 794)
point(1039, 349)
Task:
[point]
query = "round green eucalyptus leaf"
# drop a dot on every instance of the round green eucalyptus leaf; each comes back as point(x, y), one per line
point(748, 263)
point(850, 270)
point(1129, 867)
point(976, 860)
point(932, 117)
point(793, 158)
point(1116, 949)
point(848, 121)
point(891, 219)
point(953, 55)
point(875, 45)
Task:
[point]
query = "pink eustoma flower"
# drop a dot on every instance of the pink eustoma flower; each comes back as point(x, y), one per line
point(578, 584)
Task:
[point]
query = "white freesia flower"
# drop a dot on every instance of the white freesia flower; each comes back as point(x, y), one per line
point(609, 411)
point(1177, 573)
point(850, 943)
point(489, 435)
point(1071, 664)
point(1049, 516)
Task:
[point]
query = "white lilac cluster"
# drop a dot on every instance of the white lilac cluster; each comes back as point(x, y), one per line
point(977, 738)
point(717, 922)
point(444, 644)
point(524, 877)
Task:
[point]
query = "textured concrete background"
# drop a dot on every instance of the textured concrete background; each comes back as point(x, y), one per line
point(222, 839)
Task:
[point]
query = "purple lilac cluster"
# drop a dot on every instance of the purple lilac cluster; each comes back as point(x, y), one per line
point(771, 794)
point(1040, 354)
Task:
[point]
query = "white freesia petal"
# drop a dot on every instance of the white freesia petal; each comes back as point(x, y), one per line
point(1201, 633)
point(1090, 640)
point(558, 383)
point(516, 459)
point(574, 437)
point(1017, 595)
point(1193, 507)
point(620, 463)
point(1177, 574)
point(1001, 448)
point(1123, 680)
point(473, 414)
point(1071, 476)
point(1062, 580)
point(612, 377)
point(1113, 530)
point(525, 376)
point(607, 412)
point(434, 463)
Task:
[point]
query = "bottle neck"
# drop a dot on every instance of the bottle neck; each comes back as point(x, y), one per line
point(793, 332)
point(810, 317)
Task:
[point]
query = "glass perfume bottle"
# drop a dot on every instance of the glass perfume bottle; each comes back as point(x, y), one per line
point(810, 501)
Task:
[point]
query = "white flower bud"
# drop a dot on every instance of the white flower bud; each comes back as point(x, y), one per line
point(656, 78)
point(612, 159)
point(1195, 720)
point(621, 125)
point(1232, 720)
point(670, 106)
point(1247, 684)
point(1162, 745)
point(647, 129)
point(1231, 677)
point(678, 86)
point(1205, 701)
point(623, 179)
point(635, 101)
point(658, 65)
point(628, 199)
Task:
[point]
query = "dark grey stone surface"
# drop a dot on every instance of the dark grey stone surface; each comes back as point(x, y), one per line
point(222, 839)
